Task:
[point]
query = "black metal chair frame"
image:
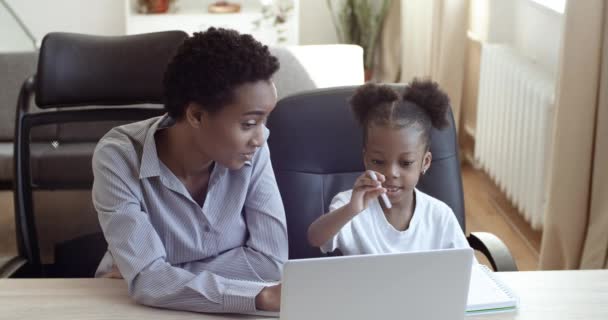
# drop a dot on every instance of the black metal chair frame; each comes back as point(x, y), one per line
point(27, 236)
point(65, 81)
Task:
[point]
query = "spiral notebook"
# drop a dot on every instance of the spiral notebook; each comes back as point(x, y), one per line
point(488, 294)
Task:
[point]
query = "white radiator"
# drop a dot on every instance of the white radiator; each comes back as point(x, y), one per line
point(514, 123)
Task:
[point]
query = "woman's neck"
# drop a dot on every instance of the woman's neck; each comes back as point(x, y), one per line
point(174, 148)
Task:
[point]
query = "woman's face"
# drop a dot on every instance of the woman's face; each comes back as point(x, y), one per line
point(231, 135)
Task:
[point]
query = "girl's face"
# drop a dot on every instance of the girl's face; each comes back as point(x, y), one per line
point(231, 135)
point(400, 155)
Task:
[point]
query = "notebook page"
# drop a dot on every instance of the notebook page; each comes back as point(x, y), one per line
point(486, 292)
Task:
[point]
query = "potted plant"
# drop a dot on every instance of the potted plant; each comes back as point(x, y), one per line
point(154, 6)
point(360, 22)
point(275, 14)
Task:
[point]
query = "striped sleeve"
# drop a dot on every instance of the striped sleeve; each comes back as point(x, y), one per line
point(267, 248)
point(139, 252)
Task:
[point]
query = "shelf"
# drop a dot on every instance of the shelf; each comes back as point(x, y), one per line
point(192, 16)
point(199, 8)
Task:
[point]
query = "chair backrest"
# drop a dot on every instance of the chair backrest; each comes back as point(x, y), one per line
point(75, 72)
point(316, 151)
point(86, 70)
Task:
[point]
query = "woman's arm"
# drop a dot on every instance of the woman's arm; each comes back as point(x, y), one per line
point(267, 247)
point(139, 252)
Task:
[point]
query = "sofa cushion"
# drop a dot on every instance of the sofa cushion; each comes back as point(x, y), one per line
point(6, 164)
point(16, 68)
point(42, 136)
point(309, 67)
point(37, 150)
point(67, 164)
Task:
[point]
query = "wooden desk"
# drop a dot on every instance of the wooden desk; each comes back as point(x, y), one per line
point(557, 295)
point(543, 295)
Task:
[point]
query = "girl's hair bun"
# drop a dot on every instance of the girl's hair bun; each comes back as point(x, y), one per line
point(370, 96)
point(427, 95)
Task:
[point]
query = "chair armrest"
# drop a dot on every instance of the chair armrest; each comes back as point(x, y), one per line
point(494, 249)
point(9, 266)
point(335, 253)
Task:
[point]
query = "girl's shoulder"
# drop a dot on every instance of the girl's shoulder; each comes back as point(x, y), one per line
point(341, 199)
point(432, 206)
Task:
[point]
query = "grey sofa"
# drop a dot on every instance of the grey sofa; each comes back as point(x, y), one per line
point(302, 68)
point(16, 68)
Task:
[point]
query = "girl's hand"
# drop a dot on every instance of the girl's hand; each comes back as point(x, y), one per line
point(365, 190)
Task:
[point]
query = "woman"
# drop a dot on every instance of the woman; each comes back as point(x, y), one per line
point(188, 201)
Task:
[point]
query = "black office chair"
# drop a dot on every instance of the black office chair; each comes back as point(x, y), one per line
point(75, 71)
point(316, 151)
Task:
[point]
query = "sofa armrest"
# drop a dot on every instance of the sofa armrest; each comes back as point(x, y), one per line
point(9, 266)
point(494, 249)
point(308, 67)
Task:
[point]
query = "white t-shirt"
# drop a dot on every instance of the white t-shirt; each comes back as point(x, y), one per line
point(433, 226)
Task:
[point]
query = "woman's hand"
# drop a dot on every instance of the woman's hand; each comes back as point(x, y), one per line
point(113, 274)
point(365, 190)
point(269, 299)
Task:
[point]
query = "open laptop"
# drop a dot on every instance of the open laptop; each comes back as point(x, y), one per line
point(431, 285)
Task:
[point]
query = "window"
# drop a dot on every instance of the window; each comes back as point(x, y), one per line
point(558, 6)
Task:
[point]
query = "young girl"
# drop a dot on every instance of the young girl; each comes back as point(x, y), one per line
point(396, 132)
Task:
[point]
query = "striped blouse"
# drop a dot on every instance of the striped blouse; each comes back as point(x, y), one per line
point(173, 253)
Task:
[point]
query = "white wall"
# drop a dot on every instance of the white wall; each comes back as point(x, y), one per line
point(538, 34)
point(316, 26)
point(104, 17)
point(533, 30)
point(493, 20)
point(12, 37)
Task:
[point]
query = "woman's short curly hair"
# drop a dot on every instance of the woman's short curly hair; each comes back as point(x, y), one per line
point(208, 67)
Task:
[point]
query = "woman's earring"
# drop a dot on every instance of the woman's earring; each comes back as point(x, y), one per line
point(423, 171)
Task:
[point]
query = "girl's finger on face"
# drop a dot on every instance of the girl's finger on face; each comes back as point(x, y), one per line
point(377, 192)
point(381, 177)
point(366, 189)
point(371, 174)
point(375, 175)
point(364, 178)
point(365, 181)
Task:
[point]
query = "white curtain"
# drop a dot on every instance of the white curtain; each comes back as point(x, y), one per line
point(433, 44)
point(575, 234)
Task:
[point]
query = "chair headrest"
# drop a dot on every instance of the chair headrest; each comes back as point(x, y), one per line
point(326, 138)
point(80, 70)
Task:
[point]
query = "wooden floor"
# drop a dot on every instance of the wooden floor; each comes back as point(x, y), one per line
point(486, 208)
point(8, 245)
